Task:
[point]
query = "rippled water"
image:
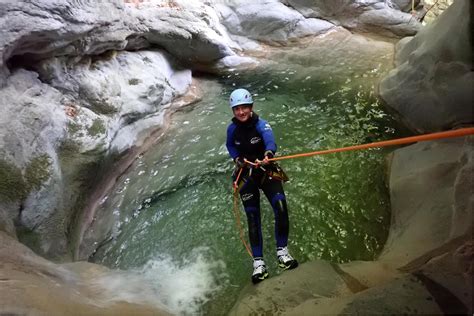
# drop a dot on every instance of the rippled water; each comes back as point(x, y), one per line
point(175, 205)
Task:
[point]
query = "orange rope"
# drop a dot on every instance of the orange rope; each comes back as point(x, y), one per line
point(239, 224)
point(237, 214)
point(393, 142)
point(399, 141)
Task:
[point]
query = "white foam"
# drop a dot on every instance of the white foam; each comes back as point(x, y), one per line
point(177, 287)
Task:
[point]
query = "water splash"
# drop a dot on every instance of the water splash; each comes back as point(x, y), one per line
point(176, 287)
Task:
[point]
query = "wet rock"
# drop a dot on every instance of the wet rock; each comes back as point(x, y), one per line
point(280, 294)
point(404, 295)
point(431, 88)
point(34, 286)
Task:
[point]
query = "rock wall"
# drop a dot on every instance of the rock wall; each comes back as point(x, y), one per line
point(72, 112)
point(376, 16)
point(428, 67)
point(426, 265)
point(75, 92)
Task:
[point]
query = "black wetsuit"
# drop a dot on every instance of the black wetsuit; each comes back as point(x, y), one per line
point(252, 140)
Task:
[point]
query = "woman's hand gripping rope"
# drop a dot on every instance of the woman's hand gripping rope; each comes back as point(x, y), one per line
point(259, 163)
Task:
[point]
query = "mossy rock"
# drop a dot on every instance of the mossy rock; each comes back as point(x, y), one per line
point(29, 237)
point(134, 81)
point(68, 149)
point(37, 172)
point(73, 128)
point(12, 185)
point(97, 128)
point(102, 107)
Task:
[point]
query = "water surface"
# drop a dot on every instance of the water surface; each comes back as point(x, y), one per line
point(173, 208)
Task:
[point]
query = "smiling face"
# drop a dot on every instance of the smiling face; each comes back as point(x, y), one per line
point(242, 112)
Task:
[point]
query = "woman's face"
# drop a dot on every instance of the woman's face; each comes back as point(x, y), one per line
point(242, 112)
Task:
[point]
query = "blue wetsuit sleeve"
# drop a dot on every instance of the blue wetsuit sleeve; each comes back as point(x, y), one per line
point(233, 152)
point(265, 130)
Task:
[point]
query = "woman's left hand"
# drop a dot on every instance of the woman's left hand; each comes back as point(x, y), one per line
point(263, 162)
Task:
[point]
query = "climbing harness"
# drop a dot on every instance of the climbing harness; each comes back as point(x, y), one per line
point(399, 141)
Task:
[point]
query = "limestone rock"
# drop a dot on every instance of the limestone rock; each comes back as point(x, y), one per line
point(34, 286)
point(279, 295)
point(462, 220)
point(115, 91)
point(404, 295)
point(32, 125)
point(74, 28)
point(422, 192)
point(371, 16)
point(269, 21)
point(445, 275)
point(431, 88)
point(54, 131)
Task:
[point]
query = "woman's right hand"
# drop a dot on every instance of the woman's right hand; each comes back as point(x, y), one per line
point(240, 162)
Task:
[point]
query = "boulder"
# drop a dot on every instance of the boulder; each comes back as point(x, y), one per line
point(72, 28)
point(115, 91)
point(370, 16)
point(424, 181)
point(268, 21)
point(32, 125)
point(431, 87)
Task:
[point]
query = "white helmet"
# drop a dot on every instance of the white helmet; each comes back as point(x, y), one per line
point(239, 97)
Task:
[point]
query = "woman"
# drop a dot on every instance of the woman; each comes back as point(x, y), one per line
point(250, 139)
